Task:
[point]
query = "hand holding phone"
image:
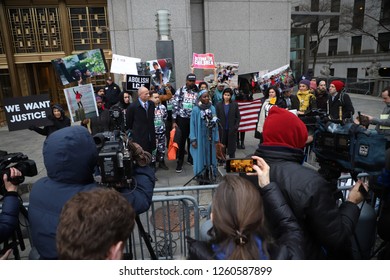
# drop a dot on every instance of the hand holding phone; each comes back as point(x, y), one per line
point(262, 170)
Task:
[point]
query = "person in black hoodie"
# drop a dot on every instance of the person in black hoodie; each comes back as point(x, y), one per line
point(238, 215)
point(57, 117)
point(70, 156)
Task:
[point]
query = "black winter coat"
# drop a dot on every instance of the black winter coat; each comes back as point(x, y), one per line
point(233, 124)
point(288, 243)
point(345, 103)
point(327, 228)
point(141, 124)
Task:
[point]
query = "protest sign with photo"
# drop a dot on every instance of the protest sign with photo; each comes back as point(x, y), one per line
point(134, 82)
point(159, 69)
point(81, 102)
point(228, 73)
point(282, 76)
point(80, 66)
point(23, 112)
point(124, 65)
point(203, 61)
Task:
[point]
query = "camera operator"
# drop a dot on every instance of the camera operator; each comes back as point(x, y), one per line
point(9, 217)
point(70, 156)
point(327, 228)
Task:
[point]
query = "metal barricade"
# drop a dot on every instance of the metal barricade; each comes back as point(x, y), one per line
point(175, 213)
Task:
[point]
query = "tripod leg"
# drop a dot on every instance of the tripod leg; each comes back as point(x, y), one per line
point(146, 237)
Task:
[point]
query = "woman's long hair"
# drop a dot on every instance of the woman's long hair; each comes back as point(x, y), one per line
point(238, 219)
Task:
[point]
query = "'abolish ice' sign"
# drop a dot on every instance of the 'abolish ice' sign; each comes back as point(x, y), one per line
point(22, 112)
point(134, 82)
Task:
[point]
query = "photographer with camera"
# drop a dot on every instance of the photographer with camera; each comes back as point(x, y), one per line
point(9, 217)
point(327, 228)
point(70, 156)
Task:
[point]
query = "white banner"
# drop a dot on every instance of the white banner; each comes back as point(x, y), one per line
point(124, 64)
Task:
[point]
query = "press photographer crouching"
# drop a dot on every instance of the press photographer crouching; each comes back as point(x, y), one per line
point(70, 156)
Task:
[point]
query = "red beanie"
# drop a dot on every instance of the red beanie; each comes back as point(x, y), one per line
point(283, 128)
point(339, 85)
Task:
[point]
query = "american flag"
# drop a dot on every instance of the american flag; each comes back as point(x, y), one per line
point(249, 111)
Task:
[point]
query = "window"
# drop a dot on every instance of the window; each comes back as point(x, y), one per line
point(332, 47)
point(35, 30)
point(385, 12)
point(334, 21)
point(356, 44)
point(383, 42)
point(315, 5)
point(352, 74)
point(358, 14)
point(313, 47)
point(89, 28)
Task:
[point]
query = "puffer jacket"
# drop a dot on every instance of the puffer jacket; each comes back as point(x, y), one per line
point(327, 228)
point(70, 156)
point(9, 216)
point(288, 237)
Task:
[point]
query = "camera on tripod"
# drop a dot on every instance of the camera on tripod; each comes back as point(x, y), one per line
point(21, 162)
point(114, 159)
point(351, 147)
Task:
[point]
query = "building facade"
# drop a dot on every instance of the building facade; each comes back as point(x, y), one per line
point(352, 42)
point(254, 33)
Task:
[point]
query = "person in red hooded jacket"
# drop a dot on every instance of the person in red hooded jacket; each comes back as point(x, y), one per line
point(327, 228)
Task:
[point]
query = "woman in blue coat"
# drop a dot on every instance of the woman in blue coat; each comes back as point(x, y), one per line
point(203, 137)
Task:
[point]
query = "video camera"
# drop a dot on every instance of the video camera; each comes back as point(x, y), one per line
point(349, 147)
point(26, 166)
point(114, 159)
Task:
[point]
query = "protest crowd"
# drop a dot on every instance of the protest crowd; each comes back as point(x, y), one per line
point(280, 210)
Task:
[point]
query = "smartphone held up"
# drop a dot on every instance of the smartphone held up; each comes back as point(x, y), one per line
point(240, 165)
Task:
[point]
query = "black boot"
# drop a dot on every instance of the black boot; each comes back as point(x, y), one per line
point(242, 145)
point(162, 165)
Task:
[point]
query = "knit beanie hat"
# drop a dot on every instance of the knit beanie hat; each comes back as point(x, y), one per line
point(283, 128)
point(98, 99)
point(305, 82)
point(339, 85)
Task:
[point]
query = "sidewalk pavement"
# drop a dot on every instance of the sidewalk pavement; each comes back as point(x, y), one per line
point(30, 143)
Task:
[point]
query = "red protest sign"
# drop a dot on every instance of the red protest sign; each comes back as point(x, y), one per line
point(203, 61)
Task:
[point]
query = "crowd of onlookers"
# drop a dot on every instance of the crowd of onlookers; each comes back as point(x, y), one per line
point(282, 211)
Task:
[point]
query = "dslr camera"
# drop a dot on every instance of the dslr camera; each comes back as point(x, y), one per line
point(21, 162)
point(114, 158)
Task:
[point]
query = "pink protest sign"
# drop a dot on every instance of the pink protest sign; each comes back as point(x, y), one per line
point(203, 60)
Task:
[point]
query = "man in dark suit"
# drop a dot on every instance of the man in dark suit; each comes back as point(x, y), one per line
point(140, 120)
